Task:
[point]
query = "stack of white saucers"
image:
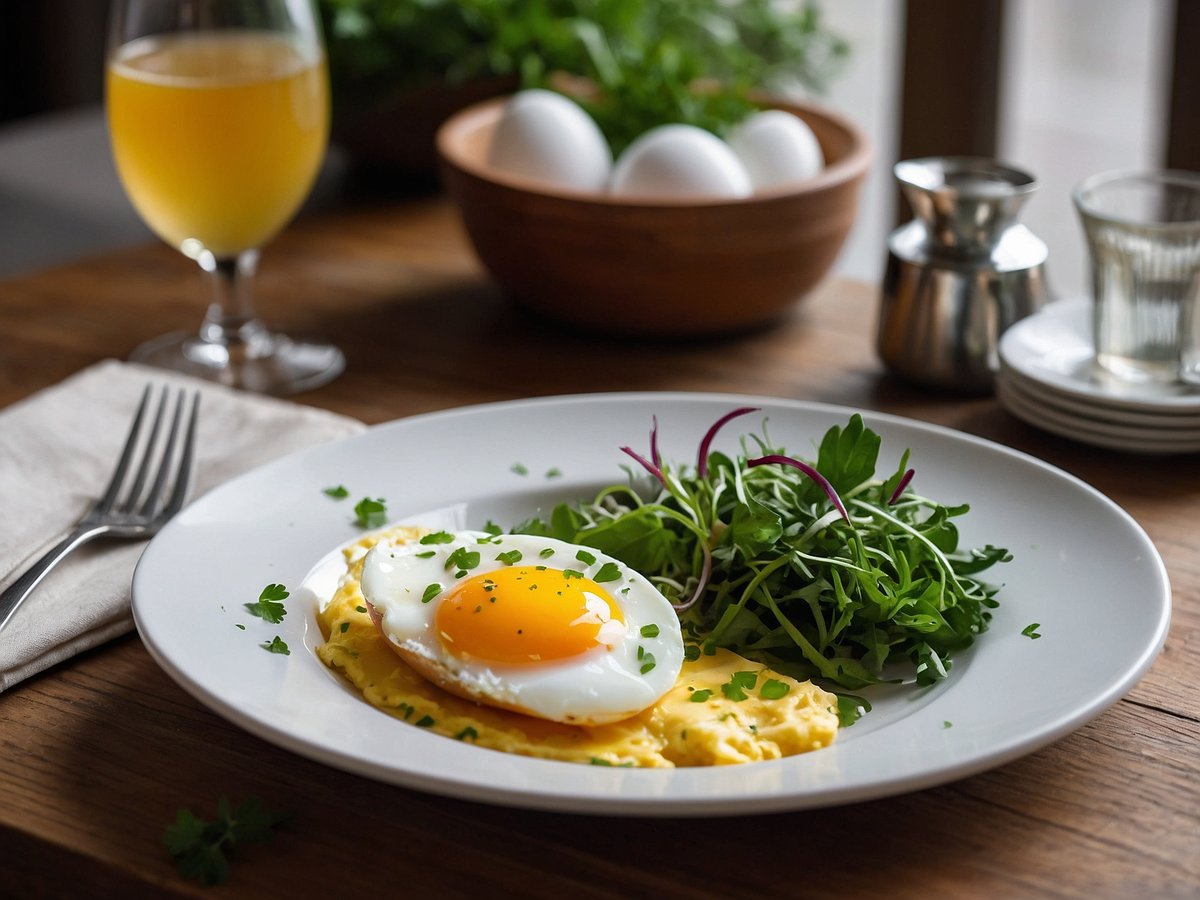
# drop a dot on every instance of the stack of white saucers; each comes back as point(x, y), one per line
point(1049, 378)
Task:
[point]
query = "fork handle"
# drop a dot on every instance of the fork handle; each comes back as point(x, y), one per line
point(14, 595)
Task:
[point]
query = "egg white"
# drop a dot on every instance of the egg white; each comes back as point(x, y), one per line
point(605, 684)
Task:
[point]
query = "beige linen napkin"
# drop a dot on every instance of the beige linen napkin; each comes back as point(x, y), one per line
point(57, 451)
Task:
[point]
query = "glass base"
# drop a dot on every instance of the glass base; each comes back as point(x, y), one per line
point(271, 363)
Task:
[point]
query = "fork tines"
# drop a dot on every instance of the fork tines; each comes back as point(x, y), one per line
point(136, 498)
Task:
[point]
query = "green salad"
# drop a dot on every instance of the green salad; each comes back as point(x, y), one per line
point(821, 569)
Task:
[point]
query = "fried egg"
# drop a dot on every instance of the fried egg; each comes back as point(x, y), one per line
point(528, 624)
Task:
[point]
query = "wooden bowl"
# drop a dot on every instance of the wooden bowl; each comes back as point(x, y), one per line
point(654, 267)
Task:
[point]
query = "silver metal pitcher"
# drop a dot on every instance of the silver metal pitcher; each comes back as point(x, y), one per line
point(960, 273)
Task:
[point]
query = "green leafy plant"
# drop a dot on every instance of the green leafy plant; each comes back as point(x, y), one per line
point(818, 569)
point(643, 57)
point(201, 848)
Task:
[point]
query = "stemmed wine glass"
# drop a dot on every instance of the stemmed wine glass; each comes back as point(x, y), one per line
point(218, 114)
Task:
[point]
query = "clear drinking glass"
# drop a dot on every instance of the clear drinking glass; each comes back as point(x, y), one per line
point(218, 115)
point(1143, 235)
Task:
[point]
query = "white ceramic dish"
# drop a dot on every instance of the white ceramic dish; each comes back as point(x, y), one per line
point(1054, 348)
point(1080, 406)
point(1090, 429)
point(1084, 570)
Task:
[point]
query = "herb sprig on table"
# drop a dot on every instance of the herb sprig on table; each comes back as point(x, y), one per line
point(201, 848)
point(644, 57)
point(819, 569)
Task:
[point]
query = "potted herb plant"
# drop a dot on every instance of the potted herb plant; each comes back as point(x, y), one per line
point(400, 67)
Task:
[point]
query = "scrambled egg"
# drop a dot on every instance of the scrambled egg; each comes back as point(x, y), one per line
point(697, 723)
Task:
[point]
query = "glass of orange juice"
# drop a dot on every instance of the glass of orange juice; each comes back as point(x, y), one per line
point(218, 115)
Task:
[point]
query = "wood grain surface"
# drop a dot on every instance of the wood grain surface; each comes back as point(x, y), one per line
point(98, 754)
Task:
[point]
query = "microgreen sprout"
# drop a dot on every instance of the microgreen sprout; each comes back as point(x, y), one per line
point(818, 568)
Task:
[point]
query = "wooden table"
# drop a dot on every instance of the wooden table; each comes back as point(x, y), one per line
point(99, 753)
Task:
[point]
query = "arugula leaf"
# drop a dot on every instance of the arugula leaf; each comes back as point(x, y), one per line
point(847, 455)
point(201, 848)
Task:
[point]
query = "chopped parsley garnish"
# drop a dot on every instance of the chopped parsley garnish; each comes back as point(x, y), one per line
point(466, 733)
point(202, 849)
point(519, 469)
point(588, 559)
point(649, 631)
point(700, 696)
point(740, 682)
point(493, 529)
point(850, 709)
point(361, 609)
point(464, 559)
point(371, 513)
point(337, 493)
point(426, 721)
point(774, 689)
point(571, 573)
point(431, 591)
point(276, 645)
point(239, 627)
point(647, 660)
point(547, 553)
point(554, 472)
point(1031, 631)
point(691, 652)
point(437, 537)
point(947, 724)
point(426, 554)
point(344, 627)
point(508, 557)
point(610, 571)
point(269, 607)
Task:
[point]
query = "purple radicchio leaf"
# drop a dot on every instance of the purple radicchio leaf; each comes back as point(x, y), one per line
point(646, 464)
point(808, 470)
point(702, 455)
point(901, 486)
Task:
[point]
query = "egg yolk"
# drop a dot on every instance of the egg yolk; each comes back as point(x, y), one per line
point(528, 614)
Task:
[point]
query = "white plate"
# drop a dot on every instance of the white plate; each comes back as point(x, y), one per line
point(1053, 348)
point(1080, 405)
point(1084, 570)
point(1112, 437)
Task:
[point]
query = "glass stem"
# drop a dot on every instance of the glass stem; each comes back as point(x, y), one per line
point(231, 321)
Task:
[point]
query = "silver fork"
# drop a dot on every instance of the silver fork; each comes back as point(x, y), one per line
point(130, 511)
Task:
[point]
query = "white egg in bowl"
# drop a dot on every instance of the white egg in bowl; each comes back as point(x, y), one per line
point(680, 162)
point(623, 264)
point(528, 624)
point(547, 138)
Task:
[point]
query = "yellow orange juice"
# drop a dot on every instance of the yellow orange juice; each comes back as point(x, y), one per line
point(217, 136)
